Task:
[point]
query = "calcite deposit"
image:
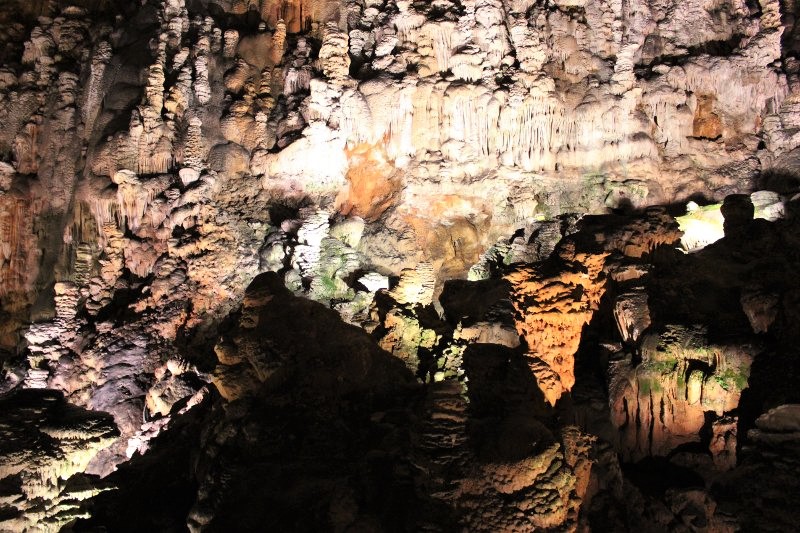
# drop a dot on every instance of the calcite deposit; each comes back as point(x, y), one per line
point(395, 265)
point(46, 446)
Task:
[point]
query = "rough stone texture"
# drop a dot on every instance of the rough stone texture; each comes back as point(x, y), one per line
point(552, 311)
point(46, 444)
point(248, 363)
point(556, 299)
point(156, 157)
point(663, 401)
point(325, 399)
point(632, 314)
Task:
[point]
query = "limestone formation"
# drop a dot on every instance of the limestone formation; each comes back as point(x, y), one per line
point(663, 402)
point(552, 312)
point(464, 255)
point(47, 443)
point(632, 314)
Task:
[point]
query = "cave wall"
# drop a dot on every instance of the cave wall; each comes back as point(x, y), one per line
point(156, 157)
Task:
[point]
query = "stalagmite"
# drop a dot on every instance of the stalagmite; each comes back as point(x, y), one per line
point(95, 90)
point(231, 41)
point(195, 151)
point(202, 89)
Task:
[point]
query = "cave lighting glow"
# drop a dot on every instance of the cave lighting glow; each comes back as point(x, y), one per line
point(701, 226)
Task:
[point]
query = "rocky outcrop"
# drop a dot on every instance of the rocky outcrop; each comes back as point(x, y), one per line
point(632, 314)
point(249, 364)
point(672, 384)
point(556, 299)
point(664, 401)
point(337, 397)
point(46, 445)
point(769, 460)
point(480, 445)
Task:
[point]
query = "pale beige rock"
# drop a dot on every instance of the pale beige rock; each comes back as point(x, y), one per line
point(46, 442)
point(374, 281)
point(416, 286)
point(445, 126)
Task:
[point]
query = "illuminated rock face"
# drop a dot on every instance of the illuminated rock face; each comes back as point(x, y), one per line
point(553, 311)
point(46, 442)
point(493, 113)
point(556, 299)
point(157, 156)
point(663, 402)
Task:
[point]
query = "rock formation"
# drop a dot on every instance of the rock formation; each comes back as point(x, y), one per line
point(46, 446)
point(464, 264)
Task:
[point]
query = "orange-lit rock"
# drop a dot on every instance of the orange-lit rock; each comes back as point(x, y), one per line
point(450, 230)
point(20, 259)
point(662, 402)
point(706, 124)
point(156, 157)
point(372, 184)
point(516, 490)
point(552, 309)
point(299, 15)
point(578, 453)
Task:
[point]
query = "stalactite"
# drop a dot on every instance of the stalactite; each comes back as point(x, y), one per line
point(105, 212)
point(527, 131)
point(40, 45)
point(673, 124)
point(467, 67)
point(407, 21)
point(466, 117)
point(534, 131)
point(441, 35)
point(297, 80)
point(95, 89)
point(356, 123)
point(12, 256)
point(159, 162)
point(130, 204)
point(399, 127)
